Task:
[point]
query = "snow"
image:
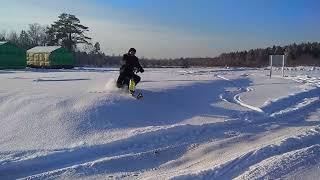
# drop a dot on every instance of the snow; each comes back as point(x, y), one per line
point(43, 49)
point(197, 123)
point(2, 42)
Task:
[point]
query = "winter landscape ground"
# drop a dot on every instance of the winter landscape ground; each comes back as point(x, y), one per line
point(197, 123)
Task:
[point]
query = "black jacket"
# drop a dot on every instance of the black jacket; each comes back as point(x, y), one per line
point(130, 63)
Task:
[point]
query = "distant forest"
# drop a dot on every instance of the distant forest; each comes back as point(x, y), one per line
point(68, 32)
point(297, 54)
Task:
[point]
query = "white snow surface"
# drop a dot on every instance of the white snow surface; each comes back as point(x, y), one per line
point(43, 49)
point(196, 123)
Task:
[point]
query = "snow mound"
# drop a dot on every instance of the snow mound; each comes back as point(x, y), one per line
point(198, 123)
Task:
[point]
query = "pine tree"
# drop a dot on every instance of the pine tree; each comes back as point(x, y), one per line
point(97, 48)
point(24, 40)
point(68, 32)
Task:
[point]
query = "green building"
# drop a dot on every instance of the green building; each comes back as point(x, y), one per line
point(11, 56)
point(49, 57)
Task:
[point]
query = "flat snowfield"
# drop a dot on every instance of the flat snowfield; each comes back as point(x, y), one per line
point(197, 123)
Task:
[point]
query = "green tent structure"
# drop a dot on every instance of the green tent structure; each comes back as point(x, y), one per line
point(11, 56)
point(49, 57)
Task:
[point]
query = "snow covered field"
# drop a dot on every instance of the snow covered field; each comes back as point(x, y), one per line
point(214, 123)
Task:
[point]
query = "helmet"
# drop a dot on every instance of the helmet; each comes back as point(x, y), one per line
point(132, 50)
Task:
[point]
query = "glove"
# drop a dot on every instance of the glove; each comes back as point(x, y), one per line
point(141, 70)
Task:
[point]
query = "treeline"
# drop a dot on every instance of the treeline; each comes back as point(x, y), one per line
point(67, 32)
point(96, 59)
point(297, 54)
point(35, 35)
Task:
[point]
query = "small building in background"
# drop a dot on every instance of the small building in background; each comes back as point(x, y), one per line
point(49, 57)
point(11, 56)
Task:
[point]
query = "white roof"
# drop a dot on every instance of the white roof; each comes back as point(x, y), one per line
point(2, 42)
point(43, 49)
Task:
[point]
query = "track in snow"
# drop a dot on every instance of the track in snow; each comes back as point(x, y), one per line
point(178, 145)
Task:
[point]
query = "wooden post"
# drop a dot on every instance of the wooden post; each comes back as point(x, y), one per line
point(283, 65)
point(270, 66)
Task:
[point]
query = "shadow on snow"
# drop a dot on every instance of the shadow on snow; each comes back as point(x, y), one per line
point(158, 108)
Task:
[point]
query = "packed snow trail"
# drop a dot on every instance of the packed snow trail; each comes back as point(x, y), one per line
point(190, 125)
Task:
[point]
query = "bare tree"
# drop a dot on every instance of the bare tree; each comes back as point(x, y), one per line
point(13, 37)
point(37, 34)
point(88, 48)
point(3, 35)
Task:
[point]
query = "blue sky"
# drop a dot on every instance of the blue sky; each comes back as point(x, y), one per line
point(176, 28)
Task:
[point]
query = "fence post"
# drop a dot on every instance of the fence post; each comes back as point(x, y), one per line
point(270, 66)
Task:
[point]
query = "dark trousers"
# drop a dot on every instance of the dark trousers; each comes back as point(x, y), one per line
point(125, 77)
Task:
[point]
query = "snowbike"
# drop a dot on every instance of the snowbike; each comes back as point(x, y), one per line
point(130, 84)
point(132, 90)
